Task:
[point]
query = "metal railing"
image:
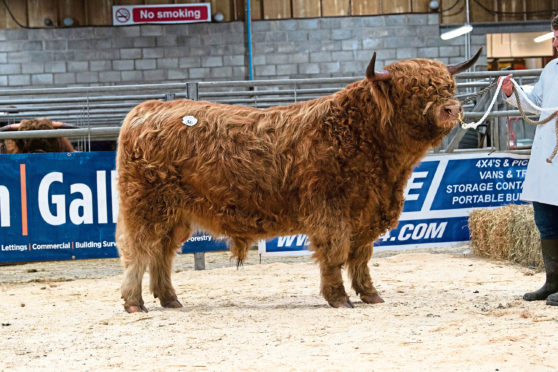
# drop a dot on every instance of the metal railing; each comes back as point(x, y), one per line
point(98, 111)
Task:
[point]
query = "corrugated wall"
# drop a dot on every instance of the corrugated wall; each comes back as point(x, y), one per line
point(453, 11)
point(32, 13)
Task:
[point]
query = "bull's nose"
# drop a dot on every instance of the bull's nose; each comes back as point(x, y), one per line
point(454, 110)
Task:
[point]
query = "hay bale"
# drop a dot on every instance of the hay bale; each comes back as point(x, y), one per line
point(489, 235)
point(526, 248)
point(507, 233)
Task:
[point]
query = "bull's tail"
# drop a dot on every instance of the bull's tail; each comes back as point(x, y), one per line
point(239, 249)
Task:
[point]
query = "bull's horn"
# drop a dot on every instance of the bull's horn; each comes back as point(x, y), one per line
point(9, 127)
point(376, 75)
point(61, 125)
point(456, 69)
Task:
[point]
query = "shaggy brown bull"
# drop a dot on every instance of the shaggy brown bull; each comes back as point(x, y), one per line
point(27, 145)
point(333, 168)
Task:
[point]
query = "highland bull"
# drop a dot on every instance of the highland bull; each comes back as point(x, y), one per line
point(29, 145)
point(333, 168)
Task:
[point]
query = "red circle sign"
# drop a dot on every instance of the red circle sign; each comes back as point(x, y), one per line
point(122, 15)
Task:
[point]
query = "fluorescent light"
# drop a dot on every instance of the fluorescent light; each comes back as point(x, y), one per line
point(457, 32)
point(541, 38)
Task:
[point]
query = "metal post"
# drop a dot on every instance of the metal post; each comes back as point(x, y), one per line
point(249, 37)
point(503, 132)
point(170, 96)
point(192, 91)
point(468, 36)
point(199, 260)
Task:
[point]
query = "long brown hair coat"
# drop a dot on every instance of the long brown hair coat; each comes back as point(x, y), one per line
point(333, 168)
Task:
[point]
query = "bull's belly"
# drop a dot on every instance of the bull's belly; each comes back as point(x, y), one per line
point(253, 226)
point(242, 219)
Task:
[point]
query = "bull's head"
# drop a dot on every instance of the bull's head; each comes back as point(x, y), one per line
point(17, 126)
point(421, 93)
point(37, 144)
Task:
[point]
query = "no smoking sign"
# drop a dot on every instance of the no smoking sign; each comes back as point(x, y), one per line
point(121, 15)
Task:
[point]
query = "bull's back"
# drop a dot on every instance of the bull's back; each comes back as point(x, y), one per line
point(225, 167)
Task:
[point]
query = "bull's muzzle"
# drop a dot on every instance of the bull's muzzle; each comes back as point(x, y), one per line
point(454, 111)
point(450, 114)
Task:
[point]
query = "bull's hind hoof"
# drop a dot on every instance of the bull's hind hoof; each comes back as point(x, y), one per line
point(172, 304)
point(135, 308)
point(372, 299)
point(339, 304)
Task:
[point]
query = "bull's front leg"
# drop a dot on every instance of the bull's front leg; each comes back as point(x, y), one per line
point(360, 274)
point(331, 252)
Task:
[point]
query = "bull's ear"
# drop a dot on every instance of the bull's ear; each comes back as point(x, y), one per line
point(376, 75)
point(456, 69)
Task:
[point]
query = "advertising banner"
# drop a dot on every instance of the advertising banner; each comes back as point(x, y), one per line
point(172, 13)
point(440, 195)
point(60, 206)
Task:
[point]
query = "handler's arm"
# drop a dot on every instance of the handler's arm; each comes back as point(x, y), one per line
point(535, 95)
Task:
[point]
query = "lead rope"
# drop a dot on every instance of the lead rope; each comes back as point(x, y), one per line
point(516, 90)
point(544, 121)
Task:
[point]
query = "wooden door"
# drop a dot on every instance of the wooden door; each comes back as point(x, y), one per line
point(19, 11)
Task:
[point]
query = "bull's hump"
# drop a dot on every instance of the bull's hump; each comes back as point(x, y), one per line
point(140, 119)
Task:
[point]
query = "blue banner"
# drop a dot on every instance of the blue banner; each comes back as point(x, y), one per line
point(61, 206)
point(440, 194)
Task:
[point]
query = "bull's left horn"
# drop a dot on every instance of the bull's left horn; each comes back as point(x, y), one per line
point(10, 127)
point(456, 69)
point(376, 75)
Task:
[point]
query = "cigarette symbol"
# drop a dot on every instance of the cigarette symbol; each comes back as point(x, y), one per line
point(122, 15)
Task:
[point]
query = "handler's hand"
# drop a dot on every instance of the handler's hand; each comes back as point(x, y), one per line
point(507, 85)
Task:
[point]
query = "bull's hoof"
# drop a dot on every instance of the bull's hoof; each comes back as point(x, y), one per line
point(372, 299)
point(338, 304)
point(171, 304)
point(135, 308)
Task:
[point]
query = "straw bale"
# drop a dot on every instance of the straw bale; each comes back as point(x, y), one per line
point(508, 233)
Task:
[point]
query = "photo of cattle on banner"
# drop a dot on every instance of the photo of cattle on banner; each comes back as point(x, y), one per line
point(36, 145)
point(333, 168)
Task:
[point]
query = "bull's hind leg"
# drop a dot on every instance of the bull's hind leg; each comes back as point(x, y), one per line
point(331, 254)
point(160, 266)
point(239, 249)
point(360, 274)
point(131, 285)
point(134, 260)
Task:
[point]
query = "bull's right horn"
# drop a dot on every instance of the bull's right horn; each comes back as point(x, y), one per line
point(376, 75)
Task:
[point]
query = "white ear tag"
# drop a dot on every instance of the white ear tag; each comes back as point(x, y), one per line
point(189, 121)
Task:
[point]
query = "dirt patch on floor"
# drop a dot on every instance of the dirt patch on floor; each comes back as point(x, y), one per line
point(444, 311)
